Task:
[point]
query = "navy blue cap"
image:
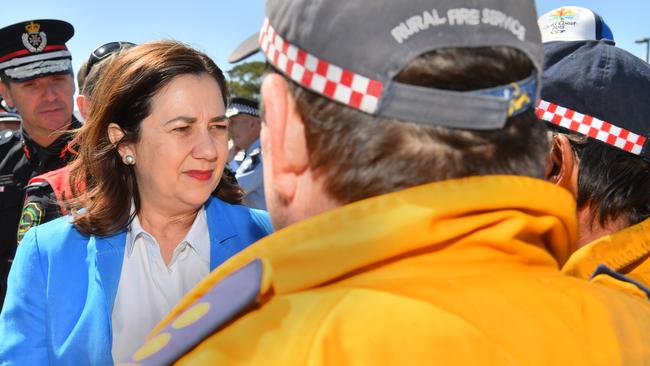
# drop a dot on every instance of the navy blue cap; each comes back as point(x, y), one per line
point(244, 105)
point(599, 90)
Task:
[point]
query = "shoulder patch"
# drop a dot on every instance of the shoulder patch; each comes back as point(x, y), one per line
point(226, 300)
point(31, 216)
point(6, 135)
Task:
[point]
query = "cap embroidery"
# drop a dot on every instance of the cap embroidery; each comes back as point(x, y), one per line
point(34, 40)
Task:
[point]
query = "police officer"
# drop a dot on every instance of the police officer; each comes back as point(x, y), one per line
point(247, 163)
point(45, 194)
point(36, 78)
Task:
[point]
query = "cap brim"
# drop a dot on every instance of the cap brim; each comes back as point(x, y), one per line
point(247, 48)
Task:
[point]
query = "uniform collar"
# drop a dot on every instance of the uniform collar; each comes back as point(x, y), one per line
point(57, 150)
point(505, 218)
point(255, 145)
point(624, 251)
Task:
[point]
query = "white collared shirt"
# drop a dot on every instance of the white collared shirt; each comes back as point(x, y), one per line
point(148, 288)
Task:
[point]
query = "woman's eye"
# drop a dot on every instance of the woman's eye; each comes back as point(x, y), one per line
point(181, 129)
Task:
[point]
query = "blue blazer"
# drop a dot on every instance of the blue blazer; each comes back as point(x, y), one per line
point(62, 286)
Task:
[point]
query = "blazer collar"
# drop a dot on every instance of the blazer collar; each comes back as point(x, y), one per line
point(220, 227)
point(110, 249)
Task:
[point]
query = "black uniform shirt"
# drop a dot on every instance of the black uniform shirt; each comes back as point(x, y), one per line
point(21, 159)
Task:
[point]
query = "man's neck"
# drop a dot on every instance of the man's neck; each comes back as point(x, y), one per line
point(44, 137)
point(591, 229)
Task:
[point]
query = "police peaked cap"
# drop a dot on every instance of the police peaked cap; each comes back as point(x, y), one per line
point(35, 48)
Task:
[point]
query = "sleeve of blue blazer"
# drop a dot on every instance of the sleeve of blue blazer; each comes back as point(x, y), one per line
point(22, 322)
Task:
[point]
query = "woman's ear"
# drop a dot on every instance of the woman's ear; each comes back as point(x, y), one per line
point(115, 135)
point(562, 166)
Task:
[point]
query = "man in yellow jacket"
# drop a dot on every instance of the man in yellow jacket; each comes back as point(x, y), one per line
point(403, 171)
point(595, 98)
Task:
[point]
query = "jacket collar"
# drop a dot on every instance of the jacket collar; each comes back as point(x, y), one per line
point(60, 149)
point(510, 217)
point(625, 251)
point(109, 250)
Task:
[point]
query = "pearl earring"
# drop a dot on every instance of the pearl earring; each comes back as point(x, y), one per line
point(129, 160)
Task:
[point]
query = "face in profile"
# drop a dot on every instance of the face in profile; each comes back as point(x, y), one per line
point(182, 148)
point(45, 103)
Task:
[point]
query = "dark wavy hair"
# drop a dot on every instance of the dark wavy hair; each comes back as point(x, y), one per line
point(123, 95)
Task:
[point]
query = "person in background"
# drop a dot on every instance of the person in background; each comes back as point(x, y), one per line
point(36, 79)
point(151, 216)
point(404, 172)
point(601, 154)
point(46, 194)
point(247, 156)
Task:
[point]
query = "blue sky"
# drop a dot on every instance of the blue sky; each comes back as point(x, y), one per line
point(217, 26)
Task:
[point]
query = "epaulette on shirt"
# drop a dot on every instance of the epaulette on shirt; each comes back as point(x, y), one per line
point(255, 155)
point(229, 298)
point(32, 186)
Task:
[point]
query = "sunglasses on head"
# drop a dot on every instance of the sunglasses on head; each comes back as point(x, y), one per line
point(104, 51)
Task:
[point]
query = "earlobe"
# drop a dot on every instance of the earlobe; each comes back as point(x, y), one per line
point(115, 135)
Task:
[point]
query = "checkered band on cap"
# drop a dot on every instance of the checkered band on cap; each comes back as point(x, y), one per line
point(591, 126)
point(318, 75)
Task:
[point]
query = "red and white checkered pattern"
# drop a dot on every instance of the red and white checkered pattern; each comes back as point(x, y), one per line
point(318, 75)
point(591, 126)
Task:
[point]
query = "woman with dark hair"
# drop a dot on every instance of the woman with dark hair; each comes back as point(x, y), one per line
point(155, 214)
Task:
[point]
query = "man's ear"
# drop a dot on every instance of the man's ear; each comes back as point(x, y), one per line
point(287, 146)
point(84, 106)
point(562, 166)
point(6, 94)
point(115, 135)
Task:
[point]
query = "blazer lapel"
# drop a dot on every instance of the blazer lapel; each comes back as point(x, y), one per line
point(108, 253)
point(108, 260)
point(222, 231)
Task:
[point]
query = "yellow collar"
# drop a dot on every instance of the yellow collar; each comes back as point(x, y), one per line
point(488, 218)
point(427, 217)
point(621, 251)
